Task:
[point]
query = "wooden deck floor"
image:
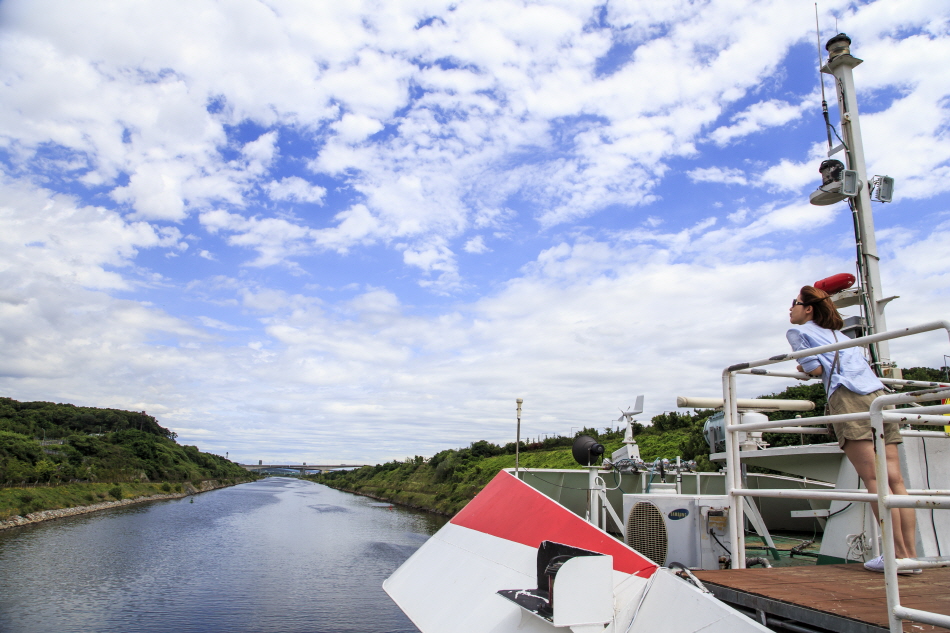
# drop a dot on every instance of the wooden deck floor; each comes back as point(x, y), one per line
point(835, 597)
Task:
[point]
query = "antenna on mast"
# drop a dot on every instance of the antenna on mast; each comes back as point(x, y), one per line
point(821, 80)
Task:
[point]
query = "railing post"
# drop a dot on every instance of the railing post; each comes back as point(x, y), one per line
point(885, 520)
point(730, 412)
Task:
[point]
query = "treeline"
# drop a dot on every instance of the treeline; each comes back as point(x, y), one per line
point(449, 479)
point(44, 442)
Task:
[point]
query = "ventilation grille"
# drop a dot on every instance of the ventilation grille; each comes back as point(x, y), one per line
point(646, 532)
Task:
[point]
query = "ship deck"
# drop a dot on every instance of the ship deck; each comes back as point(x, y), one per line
point(840, 598)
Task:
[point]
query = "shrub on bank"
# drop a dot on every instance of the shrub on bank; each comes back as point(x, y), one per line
point(43, 442)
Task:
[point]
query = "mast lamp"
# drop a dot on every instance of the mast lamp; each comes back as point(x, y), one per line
point(839, 45)
point(883, 188)
point(837, 183)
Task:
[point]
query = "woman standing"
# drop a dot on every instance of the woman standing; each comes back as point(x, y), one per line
point(851, 387)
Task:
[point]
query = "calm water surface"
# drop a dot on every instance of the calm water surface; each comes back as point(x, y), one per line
point(277, 555)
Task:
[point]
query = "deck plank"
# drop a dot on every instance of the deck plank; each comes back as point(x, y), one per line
point(847, 591)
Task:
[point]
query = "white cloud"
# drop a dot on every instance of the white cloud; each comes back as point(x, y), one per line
point(296, 189)
point(378, 300)
point(47, 234)
point(355, 225)
point(274, 239)
point(140, 106)
point(757, 117)
point(354, 128)
point(436, 259)
point(563, 335)
point(792, 176)
point(219, 325)
point(476, 245)
point(727, 176)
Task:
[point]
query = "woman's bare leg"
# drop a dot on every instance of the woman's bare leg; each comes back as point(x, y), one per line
point(861, 455)
point(908, 516)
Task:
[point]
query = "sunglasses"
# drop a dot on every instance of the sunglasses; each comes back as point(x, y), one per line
point(796, 302)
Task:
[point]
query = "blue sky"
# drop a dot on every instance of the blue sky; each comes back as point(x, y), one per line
point(297, 231)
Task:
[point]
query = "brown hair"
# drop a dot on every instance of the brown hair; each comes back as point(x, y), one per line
point(824, 314)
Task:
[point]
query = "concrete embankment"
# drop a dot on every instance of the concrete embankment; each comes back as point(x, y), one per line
point(47, 515)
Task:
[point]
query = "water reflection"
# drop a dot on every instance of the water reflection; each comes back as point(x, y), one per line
point(278, 555)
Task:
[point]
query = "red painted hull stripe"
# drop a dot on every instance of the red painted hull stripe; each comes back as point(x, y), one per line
point(511, 509)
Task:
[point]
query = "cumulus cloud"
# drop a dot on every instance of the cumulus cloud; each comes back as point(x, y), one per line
point(476, 245)
point(387, 140)
point(53, 235)
point(493, 81)
point(296, 189)
point(757, 117)
point(727, 176)
point(353, 128)
point(437, 261)
point(274, 239)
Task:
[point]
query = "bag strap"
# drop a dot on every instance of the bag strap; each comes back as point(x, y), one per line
point(835, 363)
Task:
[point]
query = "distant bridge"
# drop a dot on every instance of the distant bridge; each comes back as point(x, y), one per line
point(299, 467)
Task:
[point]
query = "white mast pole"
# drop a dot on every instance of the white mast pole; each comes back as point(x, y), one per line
point(840, 64)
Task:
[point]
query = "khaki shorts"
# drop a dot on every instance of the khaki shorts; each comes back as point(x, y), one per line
point(843, 400)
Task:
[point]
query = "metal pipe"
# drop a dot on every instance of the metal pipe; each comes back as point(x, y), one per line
point(518, 437)
point(927, 617)
point(804, 422)
point(913, 433)
point(841, 67)
point(914, 418)
point(765, 404)
point(803, 376)
point(912, 397)
point(809, 493)
point(926, 502)
point(854, 342)
point(776, 426)
point(733, 473)
point(910, 491)
point(926, 562)
point(593, 498)
point(885, 520)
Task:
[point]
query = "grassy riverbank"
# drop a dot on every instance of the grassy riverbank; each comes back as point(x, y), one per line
point(28, 500)
point(59, 456)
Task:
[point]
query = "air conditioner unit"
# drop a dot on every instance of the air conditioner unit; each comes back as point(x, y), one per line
point(687, 529)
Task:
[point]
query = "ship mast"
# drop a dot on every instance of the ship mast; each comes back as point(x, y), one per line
point(840, 65)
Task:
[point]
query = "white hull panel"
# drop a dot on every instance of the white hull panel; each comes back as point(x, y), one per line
point(451, 582)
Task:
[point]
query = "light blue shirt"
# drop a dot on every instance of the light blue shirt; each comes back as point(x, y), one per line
point(852, 370)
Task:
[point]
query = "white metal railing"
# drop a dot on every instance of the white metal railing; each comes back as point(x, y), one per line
point(924, 499)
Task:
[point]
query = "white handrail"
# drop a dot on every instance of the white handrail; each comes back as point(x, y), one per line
point(923, 384)
point(928, 415)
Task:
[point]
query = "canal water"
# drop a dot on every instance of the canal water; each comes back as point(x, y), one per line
point(277, 555)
